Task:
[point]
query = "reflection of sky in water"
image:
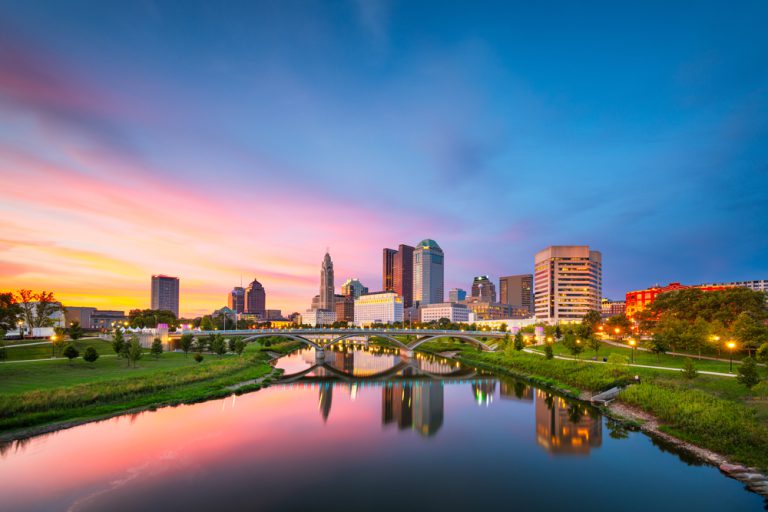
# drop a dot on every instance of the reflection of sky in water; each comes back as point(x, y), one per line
point(480, 443)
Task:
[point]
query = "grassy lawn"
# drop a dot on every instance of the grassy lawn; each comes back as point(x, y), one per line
point(642, 357)
point(43, 393)
point(44, 351)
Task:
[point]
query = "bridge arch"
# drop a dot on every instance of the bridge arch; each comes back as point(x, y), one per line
point(285, 335)
point(377, 335)
point(462, 336)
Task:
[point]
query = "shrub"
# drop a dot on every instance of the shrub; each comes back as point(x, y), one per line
point(90, 355)
point(157, 347)
point(198, 357)
point(689, 369)
point(548, 352)
point(70, 352)
point(748, 374)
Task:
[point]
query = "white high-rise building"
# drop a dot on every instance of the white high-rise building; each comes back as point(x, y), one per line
point(428, 272)
point(378, 308)
point(568, 282)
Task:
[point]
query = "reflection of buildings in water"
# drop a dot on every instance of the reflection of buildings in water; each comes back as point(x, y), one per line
point(326, 397)
point(418, 406)
point(483, 391)
point(515, 390)
point(563, 428)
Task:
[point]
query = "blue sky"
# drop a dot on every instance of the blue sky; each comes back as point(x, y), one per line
point(495, 128)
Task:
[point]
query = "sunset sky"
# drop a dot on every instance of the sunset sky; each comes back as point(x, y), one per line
point(214, 140)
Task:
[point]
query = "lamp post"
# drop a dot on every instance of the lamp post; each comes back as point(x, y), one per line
point(618, 332)
point(53, 344)
point(731, 346)
point(633, 344)
point(21, 331)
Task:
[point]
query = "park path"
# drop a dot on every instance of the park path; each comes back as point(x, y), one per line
point(680, 354)
point(667, 368)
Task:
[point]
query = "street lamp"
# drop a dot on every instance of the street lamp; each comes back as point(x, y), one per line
point(633, 344)
point(731, 345)
point(21, 332)
point(53, 344)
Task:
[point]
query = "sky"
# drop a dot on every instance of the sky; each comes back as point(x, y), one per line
point(220, 141)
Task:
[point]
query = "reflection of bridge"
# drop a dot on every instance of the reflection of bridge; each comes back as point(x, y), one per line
point(404, 370)
point(321, 338)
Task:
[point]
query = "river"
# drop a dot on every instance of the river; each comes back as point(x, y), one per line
point(365, 431)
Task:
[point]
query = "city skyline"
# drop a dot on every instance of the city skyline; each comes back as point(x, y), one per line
point(129, 148)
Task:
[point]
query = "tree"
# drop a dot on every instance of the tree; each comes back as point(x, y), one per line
point(658, 345)
point(558, 332)
point(70, 352)
point(749, 331)
point(157, 347)
point(574, 345)
point(620, 322)
point(75, 331)
point(518, 343)
point(748, 374)
point(548, 352)
point(239, 347)
point(198, 357)
point(232, 342)
point(218, 345)
point(118, 342)
point(37, 309)
point(592, 319)
point(90, 355)
point(594, 343)
point(689, 369)
point(503, 327)
point(151, 317)
point(10, 312)
point(185, 343)
point(134, 351)
point(762, 353)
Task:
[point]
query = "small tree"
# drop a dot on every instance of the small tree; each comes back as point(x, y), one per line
point(134, 352)
point(689, 369)
point(594, 343)
point(75, 331)
point(232, 343)
point(574, 346)
point(118, 342)
point(618, 364)
point(157, 347)
point(218, 345)
point(70, 352)
point(239, 347)
point(748, 374)
point(658, 345)
point(185, 343)
point(762, 353)
point(198, 357)
point(518, 343)
point(558, 332)
point(90, 355)
point(548, 352)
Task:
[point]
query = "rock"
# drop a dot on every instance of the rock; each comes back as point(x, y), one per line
point(732, 468)
point(751, 477)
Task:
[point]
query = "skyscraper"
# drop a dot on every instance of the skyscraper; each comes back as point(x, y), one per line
point(256, 299)
point(387, 270)
point(327, 295)
point(236, 300)
point(353, 288)
point(517, 291)
point(402, 274)
point(484, 289)
point(428, 272)
point(568, 283)
point(457, 295)
point(165, 293)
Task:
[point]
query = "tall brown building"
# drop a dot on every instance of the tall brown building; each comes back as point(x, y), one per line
point(345, 308)
point(402, 269)
point(387, 270)
point(517, 291)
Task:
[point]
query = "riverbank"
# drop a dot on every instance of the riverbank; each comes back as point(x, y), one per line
point(37, 400)
point(708, 418)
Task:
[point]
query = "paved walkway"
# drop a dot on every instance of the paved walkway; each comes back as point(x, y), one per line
point(47, 359)
point(667, 368)
point(680, 354)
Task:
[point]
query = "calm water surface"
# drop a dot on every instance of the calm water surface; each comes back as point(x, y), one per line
point(364, 431)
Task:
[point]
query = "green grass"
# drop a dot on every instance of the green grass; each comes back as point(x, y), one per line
point(641, 357)
point(49, 392)
point(28, 352)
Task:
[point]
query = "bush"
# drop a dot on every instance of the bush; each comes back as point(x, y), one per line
point(157, 347)
point(90, 355)
point(689, 369)
point(548, 352)
point(198, 357)
point(70, 352)
point(748, 374)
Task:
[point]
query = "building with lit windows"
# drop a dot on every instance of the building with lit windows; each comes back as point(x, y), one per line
point(387, 270)
point(327, 287)
point(760, 285)
point(517, 291)
point(450, 310)
point(568, 283)
point(609, 308)
point(428, 273)
point(378, 308)
point(484, 310)
point(318, 317)
point(256, 299)
point(345, 308)
point(484, 289)
point(236, 300)
point(165, 293)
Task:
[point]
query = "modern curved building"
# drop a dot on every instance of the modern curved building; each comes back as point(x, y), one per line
point(428, 273)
